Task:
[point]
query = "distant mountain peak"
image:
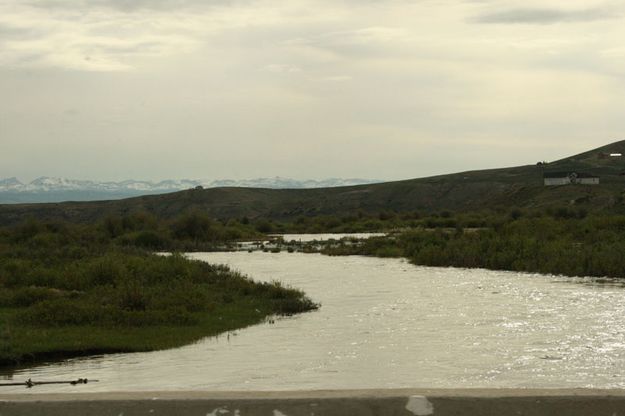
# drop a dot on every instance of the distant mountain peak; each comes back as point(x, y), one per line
point(11, 180)
point(10, 183)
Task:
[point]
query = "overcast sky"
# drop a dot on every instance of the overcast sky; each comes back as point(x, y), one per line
point(385, 89)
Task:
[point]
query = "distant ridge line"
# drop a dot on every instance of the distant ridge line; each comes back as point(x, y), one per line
point(473, 191)
point(51, 189)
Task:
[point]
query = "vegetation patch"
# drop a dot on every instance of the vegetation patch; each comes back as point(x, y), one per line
point(560, 241)
point(69, 290)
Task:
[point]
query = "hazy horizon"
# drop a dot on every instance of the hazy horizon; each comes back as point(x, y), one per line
point(156, 181)
point(111, 90)
point(26, 180)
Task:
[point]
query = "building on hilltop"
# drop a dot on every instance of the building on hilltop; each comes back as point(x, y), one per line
point(567, 178)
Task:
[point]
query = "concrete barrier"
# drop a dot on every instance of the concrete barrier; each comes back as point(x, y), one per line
point(404, 402)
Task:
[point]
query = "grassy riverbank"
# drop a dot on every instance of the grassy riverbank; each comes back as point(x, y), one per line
point(69, 290)
point(563, 242)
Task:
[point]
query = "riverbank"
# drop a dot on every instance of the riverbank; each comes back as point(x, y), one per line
point(561, 245)
point(409, 402)
point(67, 292)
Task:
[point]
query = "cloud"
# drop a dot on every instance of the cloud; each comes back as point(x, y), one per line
point(545, 16)
point(114, 35)
point(281, 68)
point(128, 5)
point(365, 41)
point(337, 78)
point(9, 31)
point(39, 35)
point(361, 36)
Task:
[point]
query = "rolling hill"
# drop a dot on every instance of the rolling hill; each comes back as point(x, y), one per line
point(504, 188)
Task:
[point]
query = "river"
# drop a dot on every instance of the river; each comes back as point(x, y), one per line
point(303, 238)
point(385, 323)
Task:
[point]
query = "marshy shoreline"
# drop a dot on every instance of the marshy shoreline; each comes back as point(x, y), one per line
point(70, 291)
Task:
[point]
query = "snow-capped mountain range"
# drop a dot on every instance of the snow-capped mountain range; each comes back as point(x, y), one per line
point(49, 189)
point(46, 184)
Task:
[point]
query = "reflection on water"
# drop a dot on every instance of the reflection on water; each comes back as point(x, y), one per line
point(303, 238)
point(386, 323)
point(296, 242)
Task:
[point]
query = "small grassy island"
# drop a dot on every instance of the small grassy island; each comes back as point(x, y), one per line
point(70, 290)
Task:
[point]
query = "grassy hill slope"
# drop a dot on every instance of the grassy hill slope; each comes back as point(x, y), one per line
point(520, 186)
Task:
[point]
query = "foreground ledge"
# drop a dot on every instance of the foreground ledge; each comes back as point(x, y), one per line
point(405, 402)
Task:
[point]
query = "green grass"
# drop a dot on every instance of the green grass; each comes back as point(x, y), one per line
point(562, 242)
point(31, 343)
point(67, 291)
point(28, 342)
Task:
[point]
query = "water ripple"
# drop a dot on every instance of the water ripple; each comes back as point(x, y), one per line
point(385, 323)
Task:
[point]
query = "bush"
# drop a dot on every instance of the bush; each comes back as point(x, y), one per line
point(264, 227)
point(27, 296)
point(149, 239)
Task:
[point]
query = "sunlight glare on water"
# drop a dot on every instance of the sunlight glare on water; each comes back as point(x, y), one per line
point(385, 323)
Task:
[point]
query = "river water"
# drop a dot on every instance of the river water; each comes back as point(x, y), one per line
point(385, 323)
point(303, 238)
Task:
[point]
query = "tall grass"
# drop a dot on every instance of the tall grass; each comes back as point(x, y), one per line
point(70, 290)
point(562, 242)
